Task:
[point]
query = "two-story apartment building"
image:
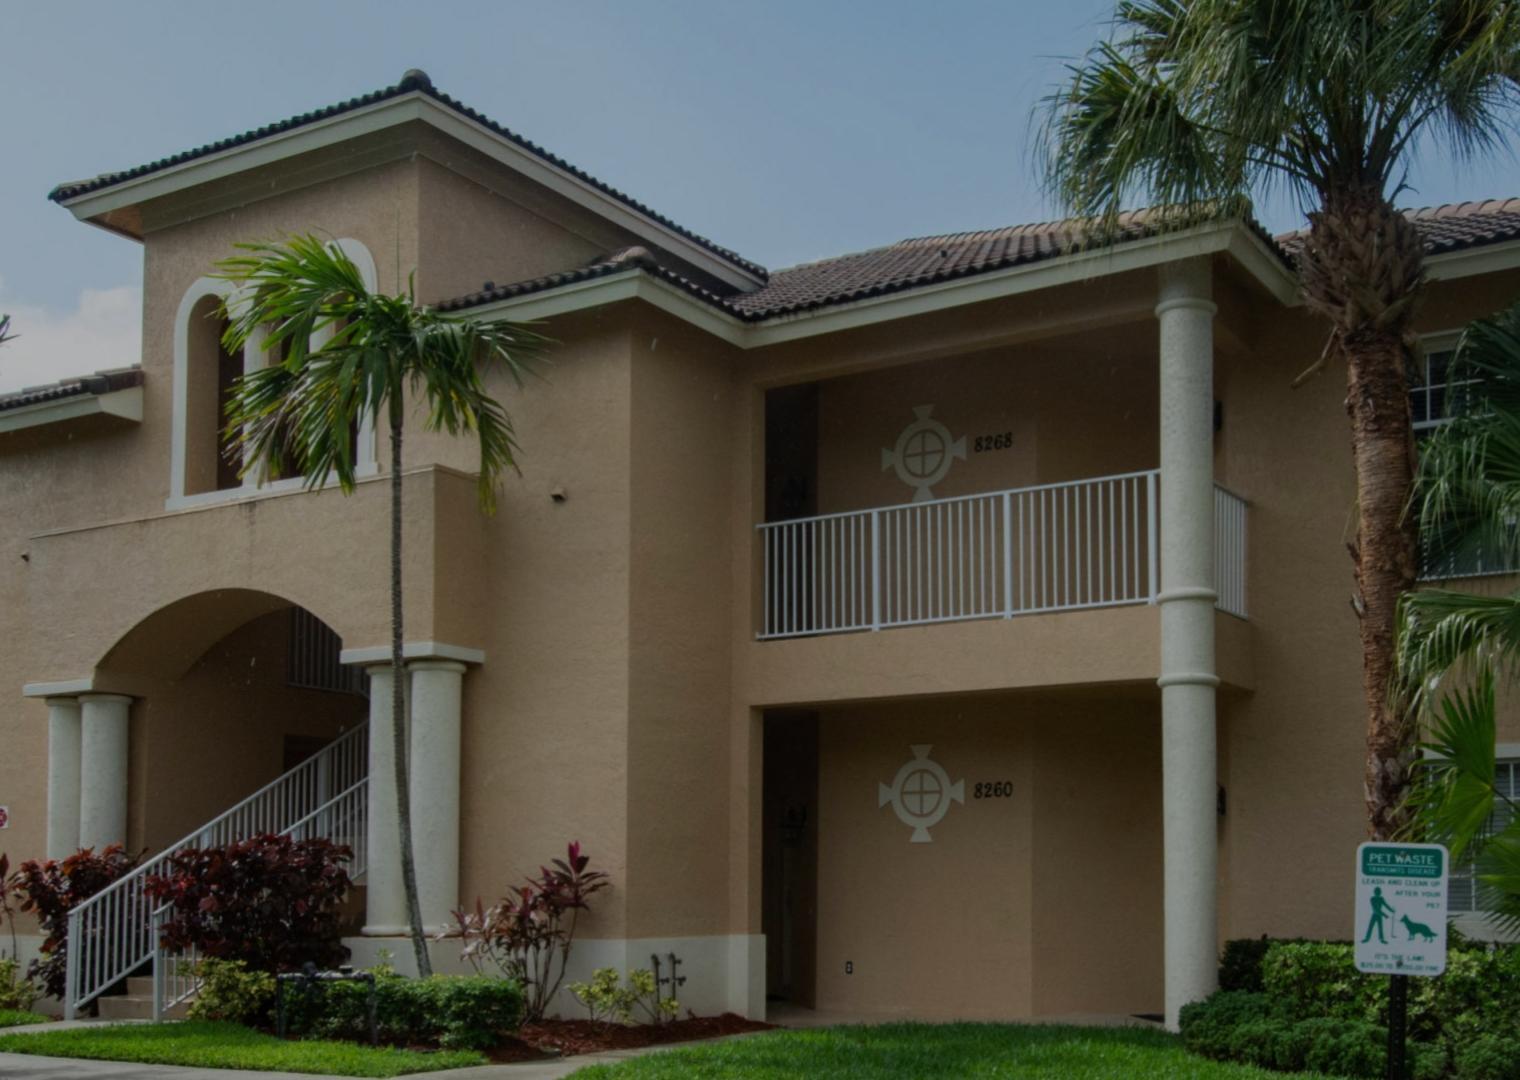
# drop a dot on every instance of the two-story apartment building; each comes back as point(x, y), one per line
point(958, 628)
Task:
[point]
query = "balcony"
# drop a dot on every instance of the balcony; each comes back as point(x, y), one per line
point(1023, 551)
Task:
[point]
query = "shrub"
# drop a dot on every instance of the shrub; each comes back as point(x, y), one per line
point(1344, 1047)
point(17, 993)
point(527, 934)
point(50, 888)
point(1428, 1061)
point(1206, 1025)
point(455, 1012)
point(271, 901)
point(1314, 979)
point(230, 991)
point(639, 1001)
point(1489, 1057)
point(1240, 964)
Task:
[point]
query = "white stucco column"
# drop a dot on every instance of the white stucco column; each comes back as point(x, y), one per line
point(436, 701)
point(384, 893)
point(103, 743)
point(1188, 681)
point(63, 777)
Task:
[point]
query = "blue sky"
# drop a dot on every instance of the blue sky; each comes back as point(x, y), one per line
point(785, 130)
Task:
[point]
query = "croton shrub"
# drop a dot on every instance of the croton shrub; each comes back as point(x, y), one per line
point(270, 901)
point(50, 887)
point(527, 934)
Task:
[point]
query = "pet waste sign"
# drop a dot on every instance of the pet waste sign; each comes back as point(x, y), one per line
point(1401, 908)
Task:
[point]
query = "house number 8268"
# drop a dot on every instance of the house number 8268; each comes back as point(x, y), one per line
point(999, 789)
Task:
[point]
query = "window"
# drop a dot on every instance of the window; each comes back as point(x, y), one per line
point(1434, 398)
point(1466, 895)
point(202, 466)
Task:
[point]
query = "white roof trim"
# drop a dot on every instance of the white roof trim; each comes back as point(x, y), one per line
point(126, 403)
point(1234, 238)
point(1485, 259)
point(392, 112)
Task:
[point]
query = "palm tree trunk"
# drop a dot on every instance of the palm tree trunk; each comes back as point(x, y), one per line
point(400, 720)
point(1362, 268)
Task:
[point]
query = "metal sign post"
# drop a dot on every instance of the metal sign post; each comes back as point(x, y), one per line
point(1400, 926)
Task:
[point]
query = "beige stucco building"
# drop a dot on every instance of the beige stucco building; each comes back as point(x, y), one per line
point(958, 628)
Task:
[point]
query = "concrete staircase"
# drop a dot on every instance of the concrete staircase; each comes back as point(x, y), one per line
point(137, 1002)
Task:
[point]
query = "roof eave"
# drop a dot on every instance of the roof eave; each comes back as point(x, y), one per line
point(1474, 259)
point(1234, 238)
point(415, 105)
point(125, 404)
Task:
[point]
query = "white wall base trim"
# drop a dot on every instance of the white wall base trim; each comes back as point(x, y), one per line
point(724, 972)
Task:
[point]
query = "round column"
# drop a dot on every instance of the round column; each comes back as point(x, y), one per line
point(103, 725)
point(1186, 600)
point(63, 777)
point(437, 695)
point(384, 892)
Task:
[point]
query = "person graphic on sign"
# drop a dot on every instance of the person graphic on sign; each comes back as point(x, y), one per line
point(1381, 909)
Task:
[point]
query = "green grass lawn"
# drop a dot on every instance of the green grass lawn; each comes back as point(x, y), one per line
point(228, 1046)
point(920, 1051)
point(13, 1018)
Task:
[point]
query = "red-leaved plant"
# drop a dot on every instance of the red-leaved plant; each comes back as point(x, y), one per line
point(527, 934)
point(270, 901)
point(53, 886)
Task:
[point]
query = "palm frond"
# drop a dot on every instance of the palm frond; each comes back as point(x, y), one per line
point(1443, 631)
point(1193, 102)
point(374, 355)
point(1455, 798)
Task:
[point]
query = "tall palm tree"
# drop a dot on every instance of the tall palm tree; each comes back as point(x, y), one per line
point(386, 356)
point(1198, 103)
point(1452, 643)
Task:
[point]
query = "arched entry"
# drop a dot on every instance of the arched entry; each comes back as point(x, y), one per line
point(207, 699)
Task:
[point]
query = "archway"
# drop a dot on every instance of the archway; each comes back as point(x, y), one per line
point(229, 689)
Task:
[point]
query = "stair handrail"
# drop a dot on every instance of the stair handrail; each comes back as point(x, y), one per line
point(175, 978)
point(123, 905)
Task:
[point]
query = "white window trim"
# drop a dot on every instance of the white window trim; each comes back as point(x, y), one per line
point(253, 359)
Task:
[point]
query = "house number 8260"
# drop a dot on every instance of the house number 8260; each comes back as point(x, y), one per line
point(999, 789)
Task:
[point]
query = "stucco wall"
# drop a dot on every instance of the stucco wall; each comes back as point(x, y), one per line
point(1295, 747)
point(679, 658)
point(1042, 902)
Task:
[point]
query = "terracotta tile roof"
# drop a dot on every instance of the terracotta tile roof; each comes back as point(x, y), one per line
point(1450, 227)
point(413, 80)
point(926, 260)
point(907, 264)
point(1467, 224)
point(102, 382)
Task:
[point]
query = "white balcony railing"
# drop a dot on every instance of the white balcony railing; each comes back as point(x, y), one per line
point(1055, 547)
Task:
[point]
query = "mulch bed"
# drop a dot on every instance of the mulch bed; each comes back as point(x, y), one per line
point(565, 1038)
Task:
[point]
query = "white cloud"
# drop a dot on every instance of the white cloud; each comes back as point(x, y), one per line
point(103, 331)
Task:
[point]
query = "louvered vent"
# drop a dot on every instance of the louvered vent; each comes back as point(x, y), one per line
point(314, 650)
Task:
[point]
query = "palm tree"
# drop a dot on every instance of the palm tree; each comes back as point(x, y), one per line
point(1452, 643)
point(1198, 103)
point(386, 355)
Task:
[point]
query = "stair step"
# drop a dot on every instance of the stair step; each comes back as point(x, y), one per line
point(140, 986)
point(137, 1007)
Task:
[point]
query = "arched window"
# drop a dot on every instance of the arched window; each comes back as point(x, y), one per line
point(204, 465)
